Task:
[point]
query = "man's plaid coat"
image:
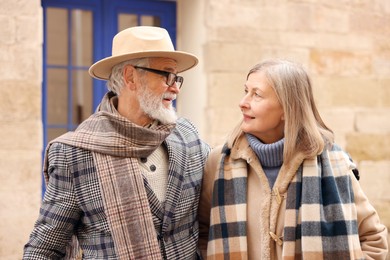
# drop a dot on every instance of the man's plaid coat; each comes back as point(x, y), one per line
point(73, 204)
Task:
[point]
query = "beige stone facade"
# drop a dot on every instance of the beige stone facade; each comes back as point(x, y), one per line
point(345, 45)
point(20, 122)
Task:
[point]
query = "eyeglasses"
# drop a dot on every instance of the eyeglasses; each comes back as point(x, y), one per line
point(171, 77)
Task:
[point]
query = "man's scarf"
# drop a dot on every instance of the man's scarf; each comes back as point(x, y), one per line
point(320, 219)
point(116, 143)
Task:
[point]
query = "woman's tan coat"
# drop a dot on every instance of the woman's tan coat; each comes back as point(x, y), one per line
point(265, 217)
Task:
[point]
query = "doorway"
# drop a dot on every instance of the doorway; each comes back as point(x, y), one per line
point(76, 34)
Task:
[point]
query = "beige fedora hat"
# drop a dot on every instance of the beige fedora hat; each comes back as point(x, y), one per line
point(141, 42)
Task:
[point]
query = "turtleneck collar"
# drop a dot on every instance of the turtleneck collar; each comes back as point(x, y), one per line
point(269, 155)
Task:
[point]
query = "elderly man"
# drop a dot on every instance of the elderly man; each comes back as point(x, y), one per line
point(125, 184)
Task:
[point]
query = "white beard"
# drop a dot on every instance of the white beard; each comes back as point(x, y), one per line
point(152, 106)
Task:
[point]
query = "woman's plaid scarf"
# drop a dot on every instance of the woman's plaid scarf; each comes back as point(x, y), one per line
point(320, 220)
point(116, 143)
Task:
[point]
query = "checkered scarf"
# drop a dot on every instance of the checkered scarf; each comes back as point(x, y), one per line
point(115, 144)
point(320, 219)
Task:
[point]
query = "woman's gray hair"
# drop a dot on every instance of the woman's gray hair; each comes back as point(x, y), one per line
point(115, 82)
point(304, 129)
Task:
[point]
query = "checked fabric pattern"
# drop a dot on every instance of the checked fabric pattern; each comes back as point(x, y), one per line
point(92, 172)
point(320, 220)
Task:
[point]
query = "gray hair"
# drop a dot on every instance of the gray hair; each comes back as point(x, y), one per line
point(304, 129)
point(115, 82)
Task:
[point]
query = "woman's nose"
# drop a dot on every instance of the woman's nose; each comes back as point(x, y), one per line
point(244, 103)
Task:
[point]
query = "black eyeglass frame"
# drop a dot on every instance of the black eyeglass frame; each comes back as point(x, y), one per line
point(171, 77)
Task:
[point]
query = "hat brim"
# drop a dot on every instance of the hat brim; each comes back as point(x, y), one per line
point(102, 69)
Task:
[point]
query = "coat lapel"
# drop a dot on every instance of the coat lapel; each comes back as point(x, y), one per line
point(156, 207)
point(177, 155)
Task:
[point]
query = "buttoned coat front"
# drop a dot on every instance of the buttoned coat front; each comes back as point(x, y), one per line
point(265, 215)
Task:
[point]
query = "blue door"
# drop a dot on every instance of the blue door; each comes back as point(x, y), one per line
point(76, 34)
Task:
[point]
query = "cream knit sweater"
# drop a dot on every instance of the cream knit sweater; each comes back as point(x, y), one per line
point(155, 169)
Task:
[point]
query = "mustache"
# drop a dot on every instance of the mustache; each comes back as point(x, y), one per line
point(171, 96)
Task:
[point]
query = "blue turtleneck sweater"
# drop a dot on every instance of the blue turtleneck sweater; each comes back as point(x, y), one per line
point(269, 155)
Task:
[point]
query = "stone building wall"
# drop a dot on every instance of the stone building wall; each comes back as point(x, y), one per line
point(20, 122)
point(345, 47)
point(343, 43)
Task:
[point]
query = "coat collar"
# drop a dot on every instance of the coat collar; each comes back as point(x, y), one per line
point(241, 150)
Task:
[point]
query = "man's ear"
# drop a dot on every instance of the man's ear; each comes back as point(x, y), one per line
point(129, 76)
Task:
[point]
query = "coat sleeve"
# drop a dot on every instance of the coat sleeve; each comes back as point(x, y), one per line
point(59, 212)
point(372, 234)
point(205, 199)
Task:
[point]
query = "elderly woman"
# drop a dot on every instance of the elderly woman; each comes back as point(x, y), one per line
point(280, 188)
